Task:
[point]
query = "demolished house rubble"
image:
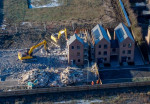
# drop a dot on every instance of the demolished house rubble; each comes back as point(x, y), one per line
point(57, 77)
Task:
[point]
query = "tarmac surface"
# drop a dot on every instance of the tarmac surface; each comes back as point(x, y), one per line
point(124, 75)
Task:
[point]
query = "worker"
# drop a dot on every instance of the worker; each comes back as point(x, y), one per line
point(92, 83)
point(97, 82)
point(101, 82)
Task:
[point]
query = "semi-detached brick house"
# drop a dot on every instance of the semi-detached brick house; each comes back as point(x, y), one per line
point(101, 44)
point(126, 43)
point(103, 47)
point(76, 48)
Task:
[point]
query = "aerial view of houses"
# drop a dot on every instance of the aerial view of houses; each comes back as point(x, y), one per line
point(75, 51)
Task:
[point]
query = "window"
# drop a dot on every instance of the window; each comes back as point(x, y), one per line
point(129, 51)
point(72, 47)
point(123, 52)
point(129, 45)
point(99, 53)
point(114, 49)
point(78, 60)
point(85, 50)
point(124, 45)
point(105, 46)
point(99, 46)
point(105, 59)
point(105, 52)
point(78, 53)
point(78, 47)
point(74, 61)
point(129, 58)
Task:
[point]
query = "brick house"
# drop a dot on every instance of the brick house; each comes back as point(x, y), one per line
point(77, 50)
point(126, 43)
point(101, 44)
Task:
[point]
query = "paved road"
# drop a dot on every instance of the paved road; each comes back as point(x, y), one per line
point(125, 73)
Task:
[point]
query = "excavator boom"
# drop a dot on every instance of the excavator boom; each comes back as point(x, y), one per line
point(28, 54)
point(61, 32)
point(56, 37)
point(33, 47)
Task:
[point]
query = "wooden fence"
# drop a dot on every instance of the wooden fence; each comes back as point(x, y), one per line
point(71, 88)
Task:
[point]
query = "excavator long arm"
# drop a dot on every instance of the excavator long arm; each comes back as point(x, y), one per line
point(61, 32)
point(33, 47)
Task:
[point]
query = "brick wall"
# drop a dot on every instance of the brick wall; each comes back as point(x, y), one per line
point(76, 56)
point(100, 51)
point(124, 46)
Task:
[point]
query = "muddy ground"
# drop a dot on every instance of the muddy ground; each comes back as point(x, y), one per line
point(25, 34)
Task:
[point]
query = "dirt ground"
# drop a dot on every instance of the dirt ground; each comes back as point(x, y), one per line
point(29, 27)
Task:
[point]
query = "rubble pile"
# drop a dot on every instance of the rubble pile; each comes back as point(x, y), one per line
point(70, 76)
point(55, 77)
point(40, 78)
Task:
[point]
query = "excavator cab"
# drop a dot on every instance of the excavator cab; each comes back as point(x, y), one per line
point(28, 54)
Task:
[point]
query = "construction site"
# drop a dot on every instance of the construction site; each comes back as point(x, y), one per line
point(45, 61)
point(39, 50)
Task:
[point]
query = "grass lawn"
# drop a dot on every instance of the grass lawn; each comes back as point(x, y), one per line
point(17, 11)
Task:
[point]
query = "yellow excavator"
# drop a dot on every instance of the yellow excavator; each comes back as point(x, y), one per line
point(56, 37)
point(28, 54)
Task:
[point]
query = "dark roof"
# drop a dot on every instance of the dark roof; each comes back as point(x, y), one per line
point(122, 32)
point(99, 33)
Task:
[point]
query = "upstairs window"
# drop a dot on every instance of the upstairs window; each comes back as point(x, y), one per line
point(78, 47)
point(123, 52)
point(105, 52)
point(129, 45)
point(114, 49)
point(78, 53)
point(124, 45)
point(99, 46)
point(105, 46)
point(72, 47)
point(99, 53)
point(129, 51)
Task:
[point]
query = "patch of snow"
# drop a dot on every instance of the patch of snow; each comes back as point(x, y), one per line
point(53, 3)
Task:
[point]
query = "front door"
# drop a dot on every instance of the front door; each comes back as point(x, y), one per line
point(124, 59)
